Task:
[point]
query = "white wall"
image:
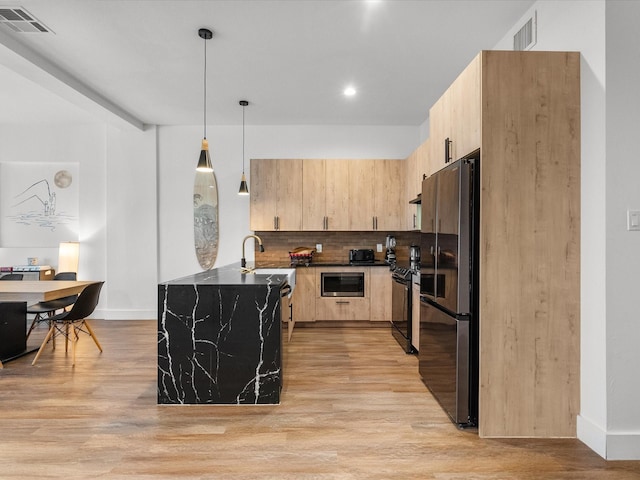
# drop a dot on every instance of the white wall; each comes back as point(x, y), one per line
point(179, 148)
point(117, 215)
point(609, 421)
point(84, 144)
point(131, 217)
point(623, 246)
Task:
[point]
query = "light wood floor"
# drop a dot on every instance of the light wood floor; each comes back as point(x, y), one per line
point(353, 408)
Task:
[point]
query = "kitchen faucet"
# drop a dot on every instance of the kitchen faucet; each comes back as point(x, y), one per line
point(243, 261)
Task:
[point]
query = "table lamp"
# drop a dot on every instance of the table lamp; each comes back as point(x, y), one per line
point(68, 255)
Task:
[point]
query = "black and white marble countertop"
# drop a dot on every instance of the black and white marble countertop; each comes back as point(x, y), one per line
point(219, 336)
point(232, 275)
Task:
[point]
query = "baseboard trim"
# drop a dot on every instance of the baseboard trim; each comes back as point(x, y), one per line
point(609, 445)
point(592, 436)
point(344, 323)
point(623, 446)
point(116, 314)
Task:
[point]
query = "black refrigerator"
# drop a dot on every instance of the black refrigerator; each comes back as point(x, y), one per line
point(448, 356)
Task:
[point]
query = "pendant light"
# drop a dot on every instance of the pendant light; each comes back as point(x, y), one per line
point(204, 162)
point(244, 189)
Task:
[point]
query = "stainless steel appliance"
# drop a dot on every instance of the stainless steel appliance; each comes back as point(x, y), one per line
point(448, 357)
point(342, 284)
point(414, 258)
point(401, 307)
point(361, 256)
point(390, 254)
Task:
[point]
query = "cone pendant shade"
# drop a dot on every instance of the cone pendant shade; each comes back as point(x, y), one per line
point(204, 162)
point(244, 188)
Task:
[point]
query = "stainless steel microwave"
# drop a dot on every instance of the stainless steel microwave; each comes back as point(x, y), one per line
point(342, 284)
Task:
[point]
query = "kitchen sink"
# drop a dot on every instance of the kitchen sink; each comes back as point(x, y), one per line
point(289, 272)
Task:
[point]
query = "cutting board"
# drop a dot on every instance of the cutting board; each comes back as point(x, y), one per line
point(205, 218)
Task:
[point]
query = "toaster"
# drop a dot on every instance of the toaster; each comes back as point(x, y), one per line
point(361, 255)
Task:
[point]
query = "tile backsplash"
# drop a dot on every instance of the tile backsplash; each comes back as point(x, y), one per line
point(335, 245)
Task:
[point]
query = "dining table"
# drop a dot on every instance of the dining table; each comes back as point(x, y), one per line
point(14, 298)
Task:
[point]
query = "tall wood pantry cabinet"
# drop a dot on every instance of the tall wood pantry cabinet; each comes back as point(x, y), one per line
point(522, 109)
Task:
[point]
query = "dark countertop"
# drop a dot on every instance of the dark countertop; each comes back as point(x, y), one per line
point(231, 275)
point(377, 263)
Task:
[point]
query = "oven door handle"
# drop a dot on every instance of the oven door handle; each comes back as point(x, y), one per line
point(400, 280)
point(285, 291)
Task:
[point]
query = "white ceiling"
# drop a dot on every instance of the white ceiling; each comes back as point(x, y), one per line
point(142, 60)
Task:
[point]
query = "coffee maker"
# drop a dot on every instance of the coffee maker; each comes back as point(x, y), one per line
point(390, 255)
point(414, 258)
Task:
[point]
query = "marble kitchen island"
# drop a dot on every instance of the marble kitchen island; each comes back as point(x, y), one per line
point(219, 337)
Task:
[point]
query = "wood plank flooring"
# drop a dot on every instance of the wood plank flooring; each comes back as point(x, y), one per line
point(353, 408)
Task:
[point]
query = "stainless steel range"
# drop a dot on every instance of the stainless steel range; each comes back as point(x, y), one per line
point(401, 306)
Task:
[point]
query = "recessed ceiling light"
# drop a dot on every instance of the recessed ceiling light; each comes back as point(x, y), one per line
point(349, 92)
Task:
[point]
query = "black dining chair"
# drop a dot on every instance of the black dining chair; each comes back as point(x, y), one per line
point(49, 308)
point(71, 323)
point(12, 276)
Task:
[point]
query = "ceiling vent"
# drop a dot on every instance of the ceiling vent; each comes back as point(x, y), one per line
point(21, 21)
point(527, 36)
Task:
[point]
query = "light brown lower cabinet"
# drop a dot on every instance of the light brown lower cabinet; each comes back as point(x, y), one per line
point(415, 315)
point(342, 308)
point(380, 282)
point(304, 295)
point(309, 305)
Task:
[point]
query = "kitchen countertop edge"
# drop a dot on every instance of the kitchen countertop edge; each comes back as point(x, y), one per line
point(231, 275)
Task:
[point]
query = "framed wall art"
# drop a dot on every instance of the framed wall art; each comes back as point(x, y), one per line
point(39, 204)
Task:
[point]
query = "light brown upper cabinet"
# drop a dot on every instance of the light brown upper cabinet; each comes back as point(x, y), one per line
point(325, 203)
point(314, 201)
point(417, 165)
point(362, 191)
point(454, 120)
point(276, 195)
point(353, 195)
point(411, 170)
point(377, 195)
point(332, 195)
point(388, 190)
point(428, 209)
point(439, 131)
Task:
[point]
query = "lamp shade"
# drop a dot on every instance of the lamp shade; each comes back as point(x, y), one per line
point(244, 188)
point(68, 256)
point(204, 162)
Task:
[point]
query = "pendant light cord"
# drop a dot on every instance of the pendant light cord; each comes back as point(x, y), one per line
point(243, 139)
point(205, 89)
